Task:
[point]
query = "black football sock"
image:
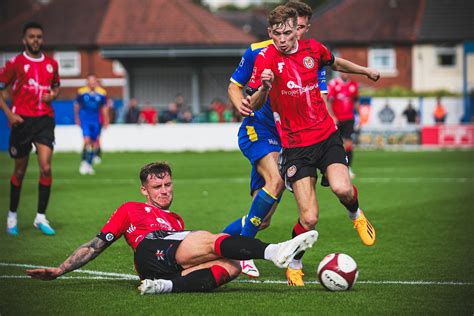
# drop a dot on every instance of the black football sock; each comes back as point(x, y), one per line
point(15, 190)
point(44, 191)
point(240, 247)
point(298, 229)
point(353, 205)
point(203, 280)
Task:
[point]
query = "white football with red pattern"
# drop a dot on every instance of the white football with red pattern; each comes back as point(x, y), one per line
point(338, 272)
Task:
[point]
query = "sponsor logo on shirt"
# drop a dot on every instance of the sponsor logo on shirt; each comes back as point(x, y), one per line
point(297, 90)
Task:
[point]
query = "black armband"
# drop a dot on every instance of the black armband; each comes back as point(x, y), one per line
point(107, 237)
point(331, 61)
point(250, 91)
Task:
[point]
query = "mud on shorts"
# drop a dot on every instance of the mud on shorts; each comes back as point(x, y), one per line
point(33, 130)
point(155, 256)
point(301, 162)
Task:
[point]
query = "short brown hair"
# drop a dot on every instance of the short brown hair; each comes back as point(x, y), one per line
point(302, 8)
point(157, 169)
point(281, 14)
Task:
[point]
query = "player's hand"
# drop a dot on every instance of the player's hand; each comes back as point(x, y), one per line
point(15, 119)
point(373, 74)
point(267, 78)
point(77, 121)
point(245, 107)
point(45, 274)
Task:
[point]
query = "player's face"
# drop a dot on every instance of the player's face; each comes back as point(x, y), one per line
point(158, 191)
point(302, 26)
point(283, 36)
point(92, 82)
point(33, 40)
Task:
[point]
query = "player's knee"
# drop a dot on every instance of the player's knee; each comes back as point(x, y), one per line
point(45, 170)
point(309, 221)
point(342, 190)
point(233, 268)
point(265, 224)
point(275, 186)
point(19, 174)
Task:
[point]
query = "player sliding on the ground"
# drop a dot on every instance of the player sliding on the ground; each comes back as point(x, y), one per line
point(167, 258)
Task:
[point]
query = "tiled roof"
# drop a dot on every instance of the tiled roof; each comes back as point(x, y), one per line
point(91, 23)
point(447, 20)
point(367, 21)
point(164, 22)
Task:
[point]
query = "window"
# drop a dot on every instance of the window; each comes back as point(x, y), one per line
point(4, 57)
point(383, 59)
point(446, 56)
point(69, 63)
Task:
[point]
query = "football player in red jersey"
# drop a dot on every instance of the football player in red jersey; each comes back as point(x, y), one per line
point(287, 73)
point(35, 84)
point(343, 102)
point(168, 258)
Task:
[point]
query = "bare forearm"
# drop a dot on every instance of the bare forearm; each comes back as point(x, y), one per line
point(82, 255)
point(343, 65)
point(259, 98)
point(235, 95)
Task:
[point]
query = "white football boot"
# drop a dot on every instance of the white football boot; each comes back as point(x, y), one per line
point(289, 249)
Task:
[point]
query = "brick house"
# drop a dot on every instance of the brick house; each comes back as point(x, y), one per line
point(416, 44)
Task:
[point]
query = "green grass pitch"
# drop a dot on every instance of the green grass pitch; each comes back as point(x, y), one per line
point(421, 203)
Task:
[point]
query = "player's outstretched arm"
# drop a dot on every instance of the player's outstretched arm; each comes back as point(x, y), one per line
point(343, 65)
point(85, 253)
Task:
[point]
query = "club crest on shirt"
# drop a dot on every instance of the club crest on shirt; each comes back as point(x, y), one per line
point(308, 62)
point(49, 68)
point(291, 171)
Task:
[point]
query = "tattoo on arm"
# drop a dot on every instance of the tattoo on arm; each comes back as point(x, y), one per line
point(82, 255)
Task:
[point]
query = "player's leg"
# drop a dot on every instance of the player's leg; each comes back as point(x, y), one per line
point(19, 149)
point(204, 277)
point(267, 197)
point(16, 180)
point(305, 195)
point(339, 179)
point(347, 133)
point(44, 153)
point(200, 255)
point(97, 158)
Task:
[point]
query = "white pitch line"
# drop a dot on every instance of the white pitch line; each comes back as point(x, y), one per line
point(100, 275)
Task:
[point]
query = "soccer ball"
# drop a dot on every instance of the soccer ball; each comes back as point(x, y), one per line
point(338, 272)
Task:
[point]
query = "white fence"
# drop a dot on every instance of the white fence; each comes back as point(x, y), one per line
point(165, 137)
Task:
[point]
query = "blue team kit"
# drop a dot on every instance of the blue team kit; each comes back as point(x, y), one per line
point(90, 104)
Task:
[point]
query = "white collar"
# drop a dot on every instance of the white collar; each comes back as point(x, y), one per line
point(34, 59)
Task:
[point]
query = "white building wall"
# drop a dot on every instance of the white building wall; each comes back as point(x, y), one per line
point(427, 75)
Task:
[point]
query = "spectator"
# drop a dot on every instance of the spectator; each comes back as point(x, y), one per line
point(148, 114)
point(386, 115)
point(185, 117)
point(439, 113)
point(180, 103)
point(219, 112)
point(171, 114)
point(133, 112)
point(411, 114)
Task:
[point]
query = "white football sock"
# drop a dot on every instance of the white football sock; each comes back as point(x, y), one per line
point(355, 215)
point(12, 214)
point(40, 217)
point(271, 251)
point(296, 264)
point(167, 285)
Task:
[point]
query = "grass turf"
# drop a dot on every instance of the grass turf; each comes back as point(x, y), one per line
point(421, 204)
